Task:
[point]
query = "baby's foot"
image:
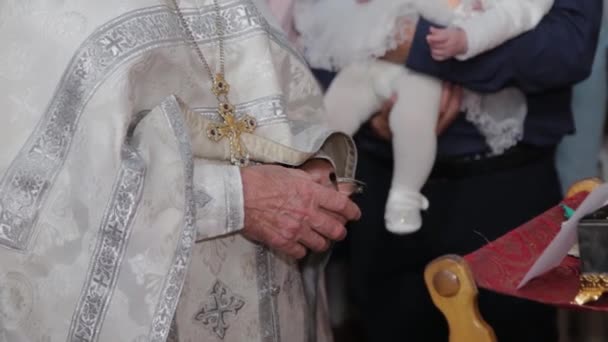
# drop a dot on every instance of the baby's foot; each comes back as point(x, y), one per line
point(402, 215)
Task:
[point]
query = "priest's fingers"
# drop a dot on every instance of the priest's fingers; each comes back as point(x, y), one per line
point(279, 243)
point(314, 241)
point(273, 239)
point(327, 226)
point(313, 229)
point(287, 226)
point(295, 250)
point(343, 221)
point(298, 229)
point(338, 203)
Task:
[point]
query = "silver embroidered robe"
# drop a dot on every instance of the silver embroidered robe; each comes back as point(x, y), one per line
point(110, 228)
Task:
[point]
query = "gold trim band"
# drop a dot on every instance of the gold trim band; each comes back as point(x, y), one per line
point(592, 287)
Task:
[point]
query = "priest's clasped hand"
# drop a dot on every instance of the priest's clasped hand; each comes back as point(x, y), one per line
point(291, 210)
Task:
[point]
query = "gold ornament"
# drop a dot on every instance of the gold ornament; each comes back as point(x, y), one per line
point(592, 287)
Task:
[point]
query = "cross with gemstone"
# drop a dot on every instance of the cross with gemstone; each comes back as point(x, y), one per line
point(231, 128)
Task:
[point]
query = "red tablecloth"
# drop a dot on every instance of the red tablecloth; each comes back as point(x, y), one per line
point(500, 265)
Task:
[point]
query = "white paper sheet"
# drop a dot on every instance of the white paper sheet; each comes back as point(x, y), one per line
point(558, 249)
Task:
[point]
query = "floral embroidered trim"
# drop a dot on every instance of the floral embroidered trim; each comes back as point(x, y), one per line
point(111, 245)
point(174, 282)
point(269, 310)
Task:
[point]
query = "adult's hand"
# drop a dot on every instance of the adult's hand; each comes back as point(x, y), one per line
point(380, 121)
point(288, 211)
point(449, 109)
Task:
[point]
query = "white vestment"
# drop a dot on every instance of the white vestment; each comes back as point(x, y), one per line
point(109, 228)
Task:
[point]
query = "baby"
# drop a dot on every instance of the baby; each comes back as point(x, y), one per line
point(349, 35)
point(471, 35)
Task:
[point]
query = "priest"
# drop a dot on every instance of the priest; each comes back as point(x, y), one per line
point(164, 164)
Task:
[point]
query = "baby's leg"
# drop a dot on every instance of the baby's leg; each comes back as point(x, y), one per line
point(413, 121)
point(357, 92)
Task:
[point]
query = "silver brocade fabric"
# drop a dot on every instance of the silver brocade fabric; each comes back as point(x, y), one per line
point(107, 232)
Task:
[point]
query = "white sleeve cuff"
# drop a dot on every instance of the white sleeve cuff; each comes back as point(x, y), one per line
point(340, 151)
point(218, 193)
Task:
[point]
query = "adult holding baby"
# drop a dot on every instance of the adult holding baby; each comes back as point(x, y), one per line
point(476, 196)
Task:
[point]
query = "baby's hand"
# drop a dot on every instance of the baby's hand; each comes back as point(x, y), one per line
point(447, 43)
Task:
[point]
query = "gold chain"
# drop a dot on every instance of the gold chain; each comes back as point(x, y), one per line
point(231, 128)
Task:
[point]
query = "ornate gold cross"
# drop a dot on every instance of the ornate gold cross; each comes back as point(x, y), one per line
point(231, 128)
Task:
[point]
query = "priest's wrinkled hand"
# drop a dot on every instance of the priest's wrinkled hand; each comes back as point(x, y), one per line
point(287, 210)
point(321, 172)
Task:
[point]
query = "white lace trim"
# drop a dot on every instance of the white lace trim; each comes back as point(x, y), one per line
point(501, 133)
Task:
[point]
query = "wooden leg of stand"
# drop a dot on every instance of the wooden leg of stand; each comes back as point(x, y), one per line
point(453, 290)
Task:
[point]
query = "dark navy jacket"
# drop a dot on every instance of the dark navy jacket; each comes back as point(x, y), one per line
point(544, 63)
